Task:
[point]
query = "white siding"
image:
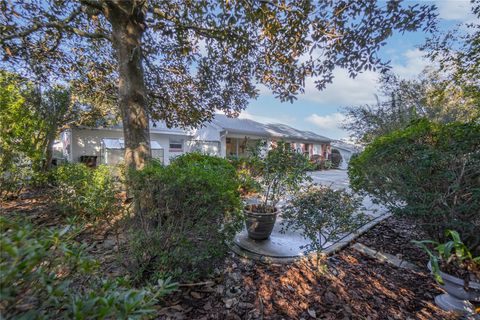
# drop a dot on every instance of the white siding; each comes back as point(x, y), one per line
point(88, 142)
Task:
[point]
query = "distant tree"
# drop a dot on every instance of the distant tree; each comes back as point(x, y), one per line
point(458, 54)
point(19, 123)
point(32, 118)
point(181, 60)
point(430, 96)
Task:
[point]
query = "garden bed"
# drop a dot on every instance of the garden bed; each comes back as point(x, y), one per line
point(394, 235)
point(355, 286)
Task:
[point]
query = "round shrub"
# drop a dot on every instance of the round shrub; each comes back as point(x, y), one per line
point(429, 172)
point(89, 193)
point(336, 158)
point(186, 212)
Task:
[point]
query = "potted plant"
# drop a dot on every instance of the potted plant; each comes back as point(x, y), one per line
point(457, 271)
point(280, 171)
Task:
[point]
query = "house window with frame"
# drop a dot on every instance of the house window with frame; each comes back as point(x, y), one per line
point(175, 145)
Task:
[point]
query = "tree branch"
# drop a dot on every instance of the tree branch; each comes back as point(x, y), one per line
point(59, 25)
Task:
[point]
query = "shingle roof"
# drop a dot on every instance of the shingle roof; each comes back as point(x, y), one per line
point(237, 125)
point(247, 126)
point(284, 131)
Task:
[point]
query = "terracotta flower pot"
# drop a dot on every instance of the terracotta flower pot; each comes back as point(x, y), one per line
point(259, 225)
point(457, 298)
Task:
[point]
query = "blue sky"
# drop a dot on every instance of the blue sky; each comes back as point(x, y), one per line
point(319, 111)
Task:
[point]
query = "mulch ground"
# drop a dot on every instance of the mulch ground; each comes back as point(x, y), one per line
point(352, 286)
point(394, 235)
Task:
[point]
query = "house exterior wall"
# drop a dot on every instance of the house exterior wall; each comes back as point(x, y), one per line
point(210, 139)
point(88, 142)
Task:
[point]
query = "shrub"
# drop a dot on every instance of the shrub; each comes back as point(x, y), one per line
point(281, 171)
point(336, 158)
point(85, 192)
point(320, 163)
point(322, 215)
point(45, 273)
point(429, 172)
point(248, 170)
point(185, 213)
point(15, 174)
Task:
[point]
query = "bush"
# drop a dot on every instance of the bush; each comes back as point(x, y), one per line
point(336, 158)
point(248, 171)
point(45, 273)
point(320, 163)
point(282, 171)
point(323, 215)
point(185, 213)
point(85, 192)
point(429, 172)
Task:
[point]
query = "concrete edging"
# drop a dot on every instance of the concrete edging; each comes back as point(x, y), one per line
point(335, 247)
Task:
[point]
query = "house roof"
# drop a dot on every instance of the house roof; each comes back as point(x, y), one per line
point(338, 144)
point(274, 130)
point(237, 125)
point(284, 131)
point(155, 127)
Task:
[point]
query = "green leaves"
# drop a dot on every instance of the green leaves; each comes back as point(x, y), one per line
point(90, 194)
point(45, 274)
point(187, 212)
point(202, 56)
point(323, 215)
point(429, 172)
point(453, 254)
point(281, 170)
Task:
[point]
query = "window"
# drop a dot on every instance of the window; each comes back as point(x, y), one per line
point(176, 145)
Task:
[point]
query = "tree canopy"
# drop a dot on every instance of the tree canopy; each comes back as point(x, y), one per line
point(400, 101)
point(180, 61)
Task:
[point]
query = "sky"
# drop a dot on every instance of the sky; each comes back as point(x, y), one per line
point(320, 111)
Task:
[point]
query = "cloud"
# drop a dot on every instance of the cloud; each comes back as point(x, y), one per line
point(414, 63)
point(329, 125)
point(344, 90)
point(458, 10)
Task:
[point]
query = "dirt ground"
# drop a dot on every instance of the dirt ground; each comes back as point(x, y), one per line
point(351, 286)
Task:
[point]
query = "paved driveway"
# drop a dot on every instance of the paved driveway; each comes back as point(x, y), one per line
point(284, 247)
point(334, 178)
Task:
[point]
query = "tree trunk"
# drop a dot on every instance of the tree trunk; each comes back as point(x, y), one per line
point(128, 26)
point(50, 140)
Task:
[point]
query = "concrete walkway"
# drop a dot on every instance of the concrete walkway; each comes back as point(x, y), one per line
point(285, 247)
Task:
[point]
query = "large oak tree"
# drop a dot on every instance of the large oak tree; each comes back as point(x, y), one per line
point(180, 60)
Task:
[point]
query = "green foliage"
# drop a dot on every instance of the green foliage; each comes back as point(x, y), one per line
point(245, 43)
point(85, 192)
point(46, 274)
point(320, 163)
point(452, 257)
point(248, 170)
point(336, 158)
point(428, 171)
point(281, 171)
point(429, 96)
point(322, 215)
point(185, 213)
point(20, 143)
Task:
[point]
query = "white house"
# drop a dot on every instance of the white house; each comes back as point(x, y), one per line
point(222, 136)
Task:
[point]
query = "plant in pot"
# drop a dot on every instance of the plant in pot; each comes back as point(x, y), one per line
point(457, 271)
point(280, 171)
point(323, 215)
